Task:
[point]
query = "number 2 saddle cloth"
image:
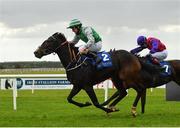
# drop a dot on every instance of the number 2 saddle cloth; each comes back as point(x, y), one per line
point(105, 57)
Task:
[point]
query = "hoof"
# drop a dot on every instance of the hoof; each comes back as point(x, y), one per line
point(112, 109)
point(133, 112)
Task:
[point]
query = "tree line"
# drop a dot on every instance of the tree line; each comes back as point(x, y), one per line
point(30, 64)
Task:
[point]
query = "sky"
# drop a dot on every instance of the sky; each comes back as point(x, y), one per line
point(25, 24)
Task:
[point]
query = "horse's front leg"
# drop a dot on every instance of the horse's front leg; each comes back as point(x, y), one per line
point(75, 90)
point(142, 95)
point(89, 90)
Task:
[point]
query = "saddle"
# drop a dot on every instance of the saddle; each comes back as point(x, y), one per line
point(99, 60)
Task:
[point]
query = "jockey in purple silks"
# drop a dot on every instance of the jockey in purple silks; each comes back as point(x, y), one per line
point(157, 49)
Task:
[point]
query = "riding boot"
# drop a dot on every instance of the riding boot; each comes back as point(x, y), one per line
point(95, 57)
point(155, 61)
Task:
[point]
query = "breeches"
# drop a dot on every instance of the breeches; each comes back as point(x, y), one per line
point(95, 47)
point(160, 55)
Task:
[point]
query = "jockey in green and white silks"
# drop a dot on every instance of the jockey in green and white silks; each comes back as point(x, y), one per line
point(93, 41)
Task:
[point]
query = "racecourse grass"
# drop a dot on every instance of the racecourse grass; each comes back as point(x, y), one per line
point(50, 108)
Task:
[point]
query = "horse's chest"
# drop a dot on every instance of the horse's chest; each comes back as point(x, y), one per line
point(80, 77)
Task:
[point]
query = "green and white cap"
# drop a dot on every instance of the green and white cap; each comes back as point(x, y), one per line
point(74, 22)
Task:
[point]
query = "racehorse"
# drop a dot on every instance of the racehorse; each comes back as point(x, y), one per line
point(85, 75)
point(128, 71)
point(150, 77)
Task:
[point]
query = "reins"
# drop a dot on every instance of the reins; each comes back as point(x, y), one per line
point(71, 51)
point(73, 56)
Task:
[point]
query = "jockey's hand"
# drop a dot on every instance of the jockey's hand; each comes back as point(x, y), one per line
point(71, 43)
point(138, 55)
point(149, 56)
point(83, 50)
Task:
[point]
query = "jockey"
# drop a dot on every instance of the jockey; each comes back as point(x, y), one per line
point(93, 42)
point(157, 49)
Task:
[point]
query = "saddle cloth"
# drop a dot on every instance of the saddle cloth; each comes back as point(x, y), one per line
point(106, 60)
point(167, 68)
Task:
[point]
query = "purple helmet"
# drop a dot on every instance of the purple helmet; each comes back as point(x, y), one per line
point(141, 40)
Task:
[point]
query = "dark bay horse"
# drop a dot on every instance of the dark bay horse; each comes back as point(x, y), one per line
point(149, 77)
point(86, 75)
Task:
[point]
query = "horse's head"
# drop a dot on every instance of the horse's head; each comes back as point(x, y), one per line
point(51, 45)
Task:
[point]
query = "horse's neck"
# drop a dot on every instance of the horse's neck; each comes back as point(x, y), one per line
point(65, 55)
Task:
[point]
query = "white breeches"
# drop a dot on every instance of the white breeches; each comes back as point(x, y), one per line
point(95, 47)
point(160, 55)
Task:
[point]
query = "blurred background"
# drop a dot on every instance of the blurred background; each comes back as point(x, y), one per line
point(25, 24)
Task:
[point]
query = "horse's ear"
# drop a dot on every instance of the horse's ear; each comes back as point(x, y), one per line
point(61, 35)
point(56, 33)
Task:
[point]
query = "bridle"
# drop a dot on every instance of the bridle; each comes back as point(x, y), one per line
point(73, 56)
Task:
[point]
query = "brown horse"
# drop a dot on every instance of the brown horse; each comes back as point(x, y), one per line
point(85, 75)
point(149, 77)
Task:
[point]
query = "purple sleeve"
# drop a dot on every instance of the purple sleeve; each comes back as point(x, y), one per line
point(154, 46)
point(136, 50)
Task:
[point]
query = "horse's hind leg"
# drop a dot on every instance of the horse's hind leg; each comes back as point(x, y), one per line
point(143, 101)
point(122, 94)
point(133, 109)
point(116, 94)
point(142, 95)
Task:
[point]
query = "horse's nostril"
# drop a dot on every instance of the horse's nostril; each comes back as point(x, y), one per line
point(37, 54)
